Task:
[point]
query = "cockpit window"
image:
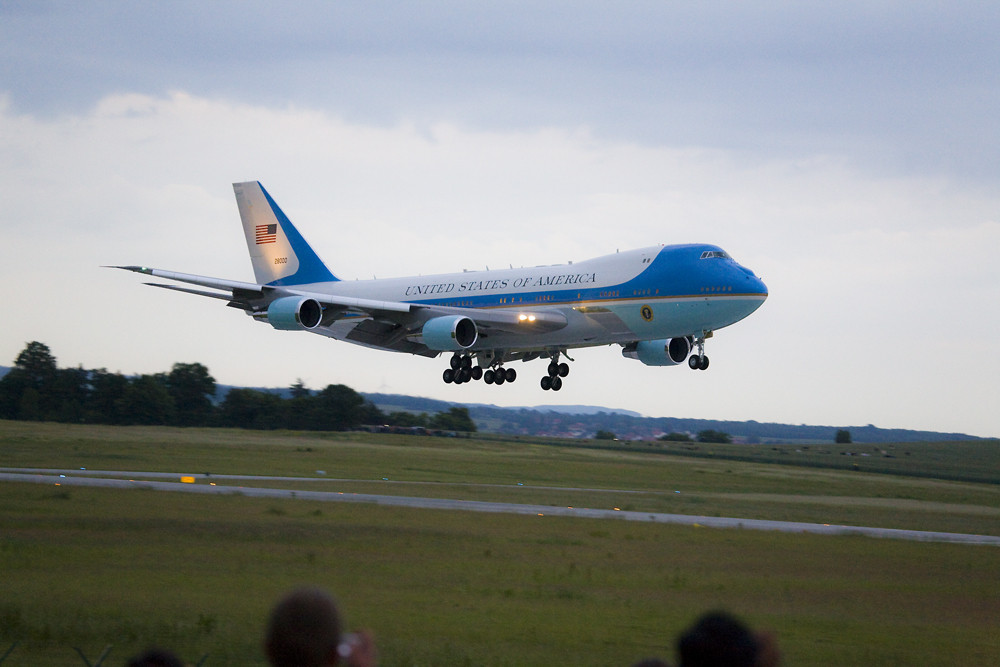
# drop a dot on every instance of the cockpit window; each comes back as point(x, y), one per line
point(708, 254)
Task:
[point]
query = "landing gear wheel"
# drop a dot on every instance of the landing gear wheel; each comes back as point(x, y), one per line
point(556, 383)
point(456, 361)
point(553, 369)
point(547, 382)
point(465, 374)
point(704, 362)
point(694, 362)
point(511, 374)
point(449, 375)
point(477, 372)
point(488, 376)
point(563, 369)
point(499, 377)
point(466, 361)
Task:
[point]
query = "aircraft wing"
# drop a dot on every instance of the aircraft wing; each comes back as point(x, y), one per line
point(253, 297)
point(397, 318)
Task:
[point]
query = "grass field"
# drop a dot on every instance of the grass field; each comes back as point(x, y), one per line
point(88, 568)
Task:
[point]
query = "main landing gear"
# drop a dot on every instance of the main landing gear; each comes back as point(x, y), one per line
point(462, 371)
point(699, 360)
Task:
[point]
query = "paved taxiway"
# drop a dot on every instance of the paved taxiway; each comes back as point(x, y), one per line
point(118, 479)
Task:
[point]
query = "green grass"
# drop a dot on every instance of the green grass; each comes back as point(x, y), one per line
point(492, 470)
point(92, 567)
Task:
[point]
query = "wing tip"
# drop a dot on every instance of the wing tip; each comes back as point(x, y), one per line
point(136, 269)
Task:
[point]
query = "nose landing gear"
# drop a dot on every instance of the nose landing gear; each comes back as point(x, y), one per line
point(699, 360)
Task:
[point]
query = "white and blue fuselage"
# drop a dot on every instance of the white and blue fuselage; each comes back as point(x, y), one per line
point(658, 303)
point(658, 292)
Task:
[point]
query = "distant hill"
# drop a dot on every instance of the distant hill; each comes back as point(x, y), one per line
point(583, 421)
point(580, 410)
point(393, 402)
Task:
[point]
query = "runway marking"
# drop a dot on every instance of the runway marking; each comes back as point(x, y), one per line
point(77, 478)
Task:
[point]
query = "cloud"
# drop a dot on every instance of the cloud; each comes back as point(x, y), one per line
point(872, 278)
point(899, 89)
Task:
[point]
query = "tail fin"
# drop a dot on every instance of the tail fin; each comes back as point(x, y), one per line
point(279, 254)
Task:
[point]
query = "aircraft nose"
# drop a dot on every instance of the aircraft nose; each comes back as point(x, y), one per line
point(760, 287)
point(754, 285)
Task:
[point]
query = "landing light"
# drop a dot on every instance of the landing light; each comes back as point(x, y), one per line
point(526, 318)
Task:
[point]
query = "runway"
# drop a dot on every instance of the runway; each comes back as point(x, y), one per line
point(125, 480)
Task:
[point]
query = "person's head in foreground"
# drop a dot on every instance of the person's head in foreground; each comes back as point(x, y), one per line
point(718, 639)
point(305, 630)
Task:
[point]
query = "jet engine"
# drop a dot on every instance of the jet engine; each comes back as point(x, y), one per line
point(294, 313)
point(661, 352)
point(450, 332)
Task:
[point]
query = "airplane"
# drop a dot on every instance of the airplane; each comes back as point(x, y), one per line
point(659, 304)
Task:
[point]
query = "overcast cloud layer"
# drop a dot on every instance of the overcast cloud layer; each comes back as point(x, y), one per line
point(847, 155)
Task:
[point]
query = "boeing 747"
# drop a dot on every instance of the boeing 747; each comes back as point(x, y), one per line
point(659, 304)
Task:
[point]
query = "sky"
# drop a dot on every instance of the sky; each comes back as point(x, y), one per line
point(848, 153)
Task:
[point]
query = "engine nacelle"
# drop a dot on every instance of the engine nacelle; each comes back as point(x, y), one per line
point(662, 352)
point(450, 332)
point(294, 313)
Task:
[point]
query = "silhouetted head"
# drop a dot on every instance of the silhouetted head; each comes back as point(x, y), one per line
point(717, 640)
point(304, 630)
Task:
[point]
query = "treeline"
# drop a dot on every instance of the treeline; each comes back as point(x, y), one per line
point(36, 389)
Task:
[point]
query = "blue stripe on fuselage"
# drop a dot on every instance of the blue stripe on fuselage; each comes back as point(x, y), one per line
point(676, 272)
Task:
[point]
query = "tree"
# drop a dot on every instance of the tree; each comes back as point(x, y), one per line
point(843, 437)
point(146, 400)
point(105, 395)
point(406, 419)
point(24, 391)
point(605, 435)
point(67, 397)
point(455, 419)
point(299, 389)
point(12, 389)
point(192, 388)
point(334, 408)
point(37, 364)
point(248, 408)
point(710, 435)
point(676, 437)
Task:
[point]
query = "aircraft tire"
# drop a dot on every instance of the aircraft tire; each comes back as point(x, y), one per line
point(477, 372)
point(456, 361)
point(563, 369)
point(694, 362)
point(449, 375)
point(703, 365)
point(510, 374)
point(547, 382)
point(556, 383)
point(488, 376)
point(498, 377)
point(553, 369)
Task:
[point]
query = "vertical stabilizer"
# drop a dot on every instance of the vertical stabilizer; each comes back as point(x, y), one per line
point(279, 254)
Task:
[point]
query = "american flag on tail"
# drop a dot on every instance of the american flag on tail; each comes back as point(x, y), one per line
point(267, 234)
